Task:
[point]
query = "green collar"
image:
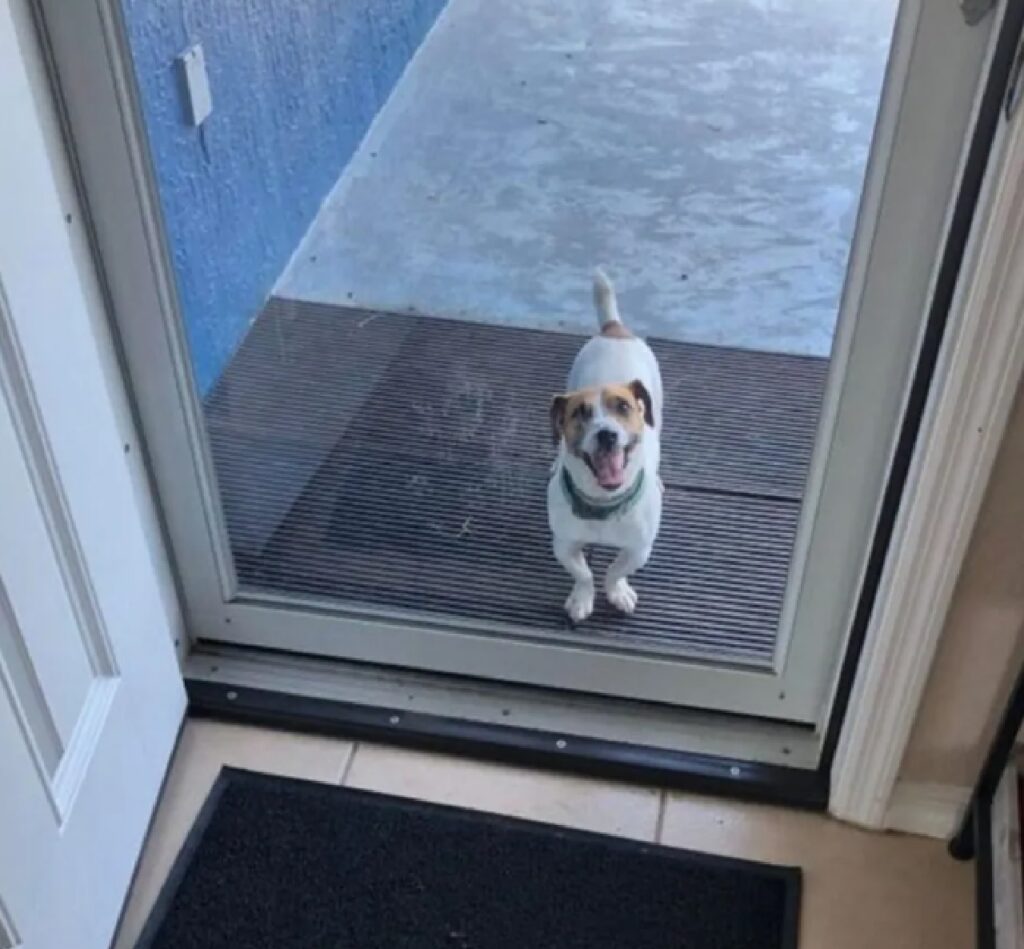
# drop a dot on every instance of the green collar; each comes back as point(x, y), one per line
point(590, 509)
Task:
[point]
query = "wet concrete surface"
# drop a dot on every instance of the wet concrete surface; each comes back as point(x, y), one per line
point(708, 153)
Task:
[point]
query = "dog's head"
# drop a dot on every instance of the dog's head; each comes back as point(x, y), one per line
point(601, 428)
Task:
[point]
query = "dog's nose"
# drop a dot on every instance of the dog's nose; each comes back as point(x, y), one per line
point(607, 439)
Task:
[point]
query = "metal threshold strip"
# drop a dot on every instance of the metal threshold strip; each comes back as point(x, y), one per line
point(770, 762)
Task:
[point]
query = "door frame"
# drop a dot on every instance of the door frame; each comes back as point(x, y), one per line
point(891, 653)
point(88, 51)
point(89, 45)
point(979, 367)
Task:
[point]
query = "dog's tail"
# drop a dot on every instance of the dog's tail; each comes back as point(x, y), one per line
point(604, 300)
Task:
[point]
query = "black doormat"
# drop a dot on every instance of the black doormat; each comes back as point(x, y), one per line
point(276, 862)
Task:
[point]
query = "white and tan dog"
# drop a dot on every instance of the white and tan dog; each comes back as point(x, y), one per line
point(605, 487)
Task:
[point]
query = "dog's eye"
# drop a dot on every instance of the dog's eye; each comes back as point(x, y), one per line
point(623, 407)
point(582, 412)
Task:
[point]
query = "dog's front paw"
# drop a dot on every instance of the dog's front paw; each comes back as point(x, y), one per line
point(622, 596)
point(581, 602)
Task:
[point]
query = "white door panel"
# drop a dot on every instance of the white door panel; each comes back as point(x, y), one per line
point(90, 694)
point(63, 669)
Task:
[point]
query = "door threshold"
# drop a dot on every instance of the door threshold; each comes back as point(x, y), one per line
point(751, 759)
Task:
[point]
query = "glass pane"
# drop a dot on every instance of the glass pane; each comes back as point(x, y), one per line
point(384, 221)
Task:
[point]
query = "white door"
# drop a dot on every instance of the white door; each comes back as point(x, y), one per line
point(90, 696)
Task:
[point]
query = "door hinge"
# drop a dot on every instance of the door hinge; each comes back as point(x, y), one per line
point(974, 10)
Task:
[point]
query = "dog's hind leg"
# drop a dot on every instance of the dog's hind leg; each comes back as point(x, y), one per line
point(616, 585)
point(580, 603)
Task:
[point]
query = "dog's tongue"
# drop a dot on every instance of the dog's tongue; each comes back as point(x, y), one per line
point(610, 466)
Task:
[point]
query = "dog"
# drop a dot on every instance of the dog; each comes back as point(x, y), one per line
point(605, 488)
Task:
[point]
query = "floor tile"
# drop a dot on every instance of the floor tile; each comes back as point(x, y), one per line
point(860, 889)
point(205, 747)
point(553, 798)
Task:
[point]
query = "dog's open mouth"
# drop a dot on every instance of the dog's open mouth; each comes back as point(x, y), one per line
point(609, 466)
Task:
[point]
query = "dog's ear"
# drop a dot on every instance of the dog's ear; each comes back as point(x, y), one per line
point(641, 394)
point(558, 405)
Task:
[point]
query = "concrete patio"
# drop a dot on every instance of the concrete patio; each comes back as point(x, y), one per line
point(710, 154)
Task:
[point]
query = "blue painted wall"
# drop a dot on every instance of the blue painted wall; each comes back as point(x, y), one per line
point(295, 85)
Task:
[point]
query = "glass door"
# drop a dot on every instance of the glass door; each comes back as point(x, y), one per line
point(360, 287)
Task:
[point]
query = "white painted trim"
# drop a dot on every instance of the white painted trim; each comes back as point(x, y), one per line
point(929, 810)
point(975, 385)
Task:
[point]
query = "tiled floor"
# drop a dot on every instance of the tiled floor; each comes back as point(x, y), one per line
point(860, 889)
